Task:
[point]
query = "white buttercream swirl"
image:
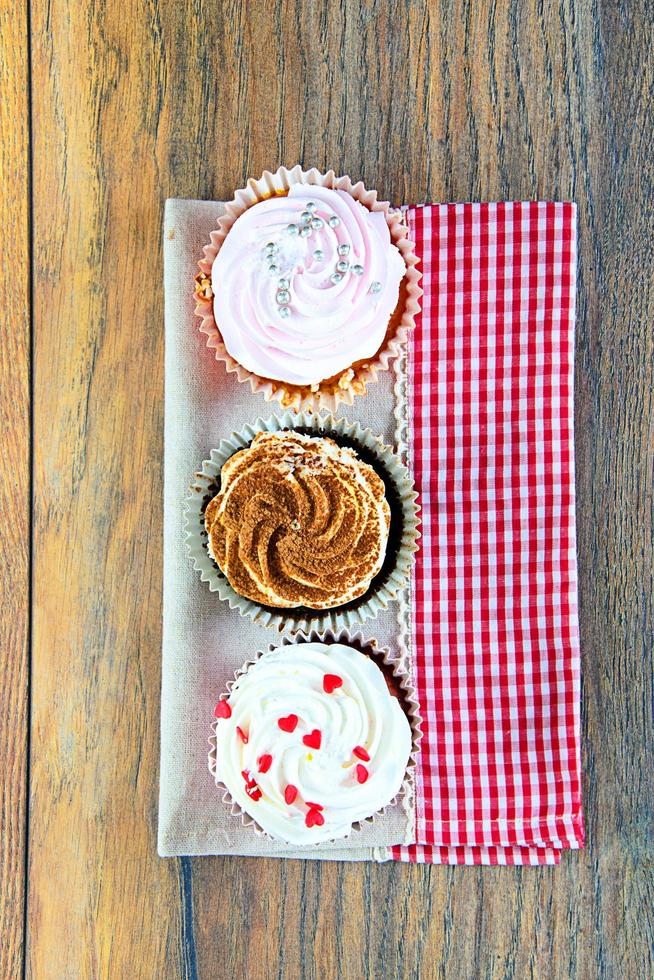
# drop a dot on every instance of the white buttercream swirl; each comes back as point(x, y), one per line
point(360, 713)
point(331, 324)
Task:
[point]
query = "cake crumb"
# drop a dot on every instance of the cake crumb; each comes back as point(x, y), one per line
point(345, 379)
point(203, 288)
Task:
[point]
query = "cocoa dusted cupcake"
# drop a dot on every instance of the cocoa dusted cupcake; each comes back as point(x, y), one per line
point(303, 522)
point(299, 521)
point(310, 741)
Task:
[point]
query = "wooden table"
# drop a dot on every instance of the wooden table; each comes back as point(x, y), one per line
point(105, 110)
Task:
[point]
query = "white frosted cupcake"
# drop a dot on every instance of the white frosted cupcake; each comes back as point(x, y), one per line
point(307, 290)
point(310, 741)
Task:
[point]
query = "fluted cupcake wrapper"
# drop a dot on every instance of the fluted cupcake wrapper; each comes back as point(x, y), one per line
point(352, 381)
point(395, 578)
point(368, 646)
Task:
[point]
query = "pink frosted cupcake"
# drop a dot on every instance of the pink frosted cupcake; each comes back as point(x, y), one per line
point(308, 288)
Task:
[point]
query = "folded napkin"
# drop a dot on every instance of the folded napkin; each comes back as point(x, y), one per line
point(484, 403)
point(495, 632)
point(204, 641)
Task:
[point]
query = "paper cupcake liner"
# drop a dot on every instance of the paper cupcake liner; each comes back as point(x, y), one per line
point(396, 570)
point(410, 702)
point(354, 380)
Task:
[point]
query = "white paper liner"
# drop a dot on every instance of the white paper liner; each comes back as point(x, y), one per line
point(205, 486)
point(409, 698)
point(353, 382)
point(405, 597)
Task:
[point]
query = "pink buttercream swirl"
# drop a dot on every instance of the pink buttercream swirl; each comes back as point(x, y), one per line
point(289, 304)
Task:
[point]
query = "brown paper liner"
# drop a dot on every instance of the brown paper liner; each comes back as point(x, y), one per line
point(401, 548)
point(402, 688)
point(342, 388)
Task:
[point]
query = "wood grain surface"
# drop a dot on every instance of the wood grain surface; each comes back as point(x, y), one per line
point(14, 476)
point(137, 100)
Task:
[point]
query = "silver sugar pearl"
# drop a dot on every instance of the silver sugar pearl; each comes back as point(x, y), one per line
point(342, 266)
point(305, 231)
point(335, 277)
point(334, 221)
point(318, 255)
point(357, 270)
point(273, 269)
point(283, 297)
point(316, 224)
point(306, 215)
point(375, 287)
point(271, 248)
point(343, 249)
point(284, 312)
point(311, 206)
point(283, 284)
point(292, 229)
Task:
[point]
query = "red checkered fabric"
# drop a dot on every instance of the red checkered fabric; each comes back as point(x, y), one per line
point(495, 629)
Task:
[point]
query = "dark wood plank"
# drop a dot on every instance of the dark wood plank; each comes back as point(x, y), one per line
point(14, 477)
point(100, 901)
point(440, 101)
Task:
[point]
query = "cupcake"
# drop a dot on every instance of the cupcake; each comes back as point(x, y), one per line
point(303, 522)
point(308, 287)
point(298, 521)
point(310, 741)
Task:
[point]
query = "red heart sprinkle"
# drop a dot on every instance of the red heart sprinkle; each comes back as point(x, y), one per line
point(222, 710)
point(314, 806)
point(265, 762)
point(362, 774)
point(288, 724)
point(313, 739)
point(314, 818)
point(253, 792)
point(360, 753)
point(330, 682)
point(290, 793)
point(241, 734)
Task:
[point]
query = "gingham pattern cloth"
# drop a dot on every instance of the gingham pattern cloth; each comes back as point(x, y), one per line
point(495, 630)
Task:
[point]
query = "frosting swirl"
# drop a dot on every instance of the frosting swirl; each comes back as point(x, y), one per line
point(304, 285)
point(299, 521)
point(311, 741)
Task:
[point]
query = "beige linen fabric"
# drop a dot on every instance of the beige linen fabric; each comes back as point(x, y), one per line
point(204, 641)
